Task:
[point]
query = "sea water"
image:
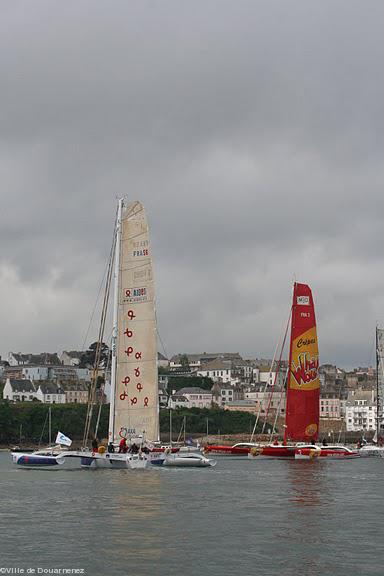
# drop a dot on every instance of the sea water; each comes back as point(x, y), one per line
point(243, 517)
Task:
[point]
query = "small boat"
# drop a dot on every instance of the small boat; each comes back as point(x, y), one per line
point(376, 448)
point(371, 450)
point(239, 449)
point(47, 458)
point(43, 460)
point(326, 452)
point(188, 460)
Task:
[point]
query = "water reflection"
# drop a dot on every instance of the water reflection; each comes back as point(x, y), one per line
point(307, 483)
point(309, 501)
point(134, 533)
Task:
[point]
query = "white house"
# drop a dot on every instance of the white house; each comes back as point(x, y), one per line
point(71, 358)
point(50, 393)
point(196, 397)
point(162, 361)
point(17, 359)
point(163, 398)
point(197, 361)
point(218, 371)
point(19, 390)
point(222, 393)
point(44, 359)
point(177, 401)
point(361, 411)
point(35, 373)
point(269, 378)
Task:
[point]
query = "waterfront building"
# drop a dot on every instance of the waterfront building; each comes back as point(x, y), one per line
point(361, 411)
point(71, 358)
point(269, 378)
point(196, 361)
point(163, 398)
point(19, 390)
point(75, 392)
point(242, 406)
point(196, 397)
point(177, 401)
point(44, 359)
point(222, 394)
point(218, 371)
point(50, 393)
point(162, 361)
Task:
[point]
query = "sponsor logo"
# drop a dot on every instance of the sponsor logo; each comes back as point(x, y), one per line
point(134, 295)
point(307, 369)
point(139, 253)
point(303, 300)
point(311, 430)
point(305, 342)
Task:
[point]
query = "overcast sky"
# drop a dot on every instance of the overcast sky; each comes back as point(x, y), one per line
point(251, 130)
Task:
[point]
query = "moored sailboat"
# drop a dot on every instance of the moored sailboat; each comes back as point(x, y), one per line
point(303, 384)
point(376, 448)
point(134, 410)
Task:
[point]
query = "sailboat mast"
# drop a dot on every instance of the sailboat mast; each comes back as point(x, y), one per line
point(49, 426)
point(111, 435)
point(292, 319)
point(377, 389)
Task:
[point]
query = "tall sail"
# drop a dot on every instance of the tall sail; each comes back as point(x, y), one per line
point(303, 388)
point(380, 383)
point(135, 395)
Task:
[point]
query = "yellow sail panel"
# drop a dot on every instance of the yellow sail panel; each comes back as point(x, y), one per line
point(136, 387)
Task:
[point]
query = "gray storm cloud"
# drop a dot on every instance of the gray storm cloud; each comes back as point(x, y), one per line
point(250, 130)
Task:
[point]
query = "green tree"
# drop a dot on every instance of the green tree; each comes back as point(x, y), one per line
point(88, 357)
point(185, 363)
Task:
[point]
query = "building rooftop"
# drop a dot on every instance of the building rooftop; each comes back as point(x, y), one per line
point(192, 390)
point(22, 385)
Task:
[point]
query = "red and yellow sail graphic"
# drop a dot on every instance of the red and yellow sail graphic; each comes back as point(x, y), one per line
point(303, 389)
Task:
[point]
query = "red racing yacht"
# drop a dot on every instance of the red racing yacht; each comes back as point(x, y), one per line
point(303, 387)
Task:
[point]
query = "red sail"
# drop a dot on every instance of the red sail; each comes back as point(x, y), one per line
point(303, 390)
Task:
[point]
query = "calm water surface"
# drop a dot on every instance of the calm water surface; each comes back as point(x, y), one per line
point(241, 518)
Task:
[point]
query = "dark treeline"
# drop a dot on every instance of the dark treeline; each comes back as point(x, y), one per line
point(219, 421)
point(28, 421)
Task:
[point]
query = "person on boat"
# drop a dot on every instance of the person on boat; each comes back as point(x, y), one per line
point(95, 444)
point(275, 442)
point(123, 446)
point(111, 448)
point(325, 443)
point(134, 449)
point(145, 449)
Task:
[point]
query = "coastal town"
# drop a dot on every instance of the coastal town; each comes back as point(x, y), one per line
point(256, 386)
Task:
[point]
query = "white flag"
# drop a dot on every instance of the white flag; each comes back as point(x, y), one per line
point(62, 439)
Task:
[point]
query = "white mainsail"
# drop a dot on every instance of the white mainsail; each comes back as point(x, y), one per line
point(134, 396)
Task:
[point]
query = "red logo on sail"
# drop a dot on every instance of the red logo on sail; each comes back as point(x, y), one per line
point(307, 369)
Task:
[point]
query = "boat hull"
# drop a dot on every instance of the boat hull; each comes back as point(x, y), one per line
point(188, 461)
point(78, 460)
point(372, 452)
point(337, 453)
point(236, 450)
point(273, 452)
point(44, 462)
